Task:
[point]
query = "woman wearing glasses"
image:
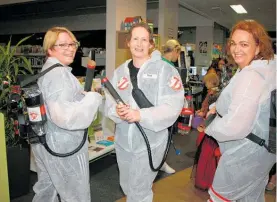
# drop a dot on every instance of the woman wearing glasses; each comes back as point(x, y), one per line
point(69, 111)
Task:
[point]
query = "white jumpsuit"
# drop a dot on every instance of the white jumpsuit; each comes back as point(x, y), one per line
point(162, 86)
point(68, 114)
point(243, 169)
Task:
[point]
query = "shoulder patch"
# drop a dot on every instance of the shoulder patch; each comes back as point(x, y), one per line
point(175, 83)
point(123, 83)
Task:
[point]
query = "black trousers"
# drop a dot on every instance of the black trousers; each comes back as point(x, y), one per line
point(273, 170)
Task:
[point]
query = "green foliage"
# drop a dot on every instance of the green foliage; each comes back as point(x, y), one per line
point(11, 65)
point(11, 139)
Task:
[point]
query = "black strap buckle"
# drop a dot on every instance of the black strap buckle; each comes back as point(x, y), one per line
point(261, 142)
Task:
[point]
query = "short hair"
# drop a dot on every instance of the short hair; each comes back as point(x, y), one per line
point(260, 36)
point(170, 46)
point(52, 35)
point(213, 78)
point(143, 25)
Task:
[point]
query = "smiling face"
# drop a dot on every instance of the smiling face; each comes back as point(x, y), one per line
point(243, 48)
point(139, 43)
point(64, 53)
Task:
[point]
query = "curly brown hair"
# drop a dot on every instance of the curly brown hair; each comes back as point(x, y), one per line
point(260, 36)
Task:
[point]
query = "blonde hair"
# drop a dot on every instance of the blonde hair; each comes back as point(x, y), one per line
point(170, 46)
point(52, 35)
point(213, 78)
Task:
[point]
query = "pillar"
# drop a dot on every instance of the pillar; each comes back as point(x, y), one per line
point(204, 44)
point(116, 12)
point(168, 20)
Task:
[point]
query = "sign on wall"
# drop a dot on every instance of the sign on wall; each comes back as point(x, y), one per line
point(203, 47)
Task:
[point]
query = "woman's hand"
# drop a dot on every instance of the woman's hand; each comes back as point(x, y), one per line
point(200, 113)
point(132, 116)
point(211, 111)
point(122, 110)
point(201, 128)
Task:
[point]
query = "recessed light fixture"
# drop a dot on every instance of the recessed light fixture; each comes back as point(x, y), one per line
point(238, 8)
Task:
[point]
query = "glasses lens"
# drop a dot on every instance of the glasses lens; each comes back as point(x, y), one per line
point(74, 45)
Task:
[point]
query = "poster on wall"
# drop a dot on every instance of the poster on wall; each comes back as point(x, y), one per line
point(217, 50)
point(203, 47)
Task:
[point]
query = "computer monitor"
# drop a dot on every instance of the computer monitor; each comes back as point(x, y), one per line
point(204, 71)
point(192, 71)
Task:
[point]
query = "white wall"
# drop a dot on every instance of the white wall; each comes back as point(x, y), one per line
point(186, 18)
point(93, 22)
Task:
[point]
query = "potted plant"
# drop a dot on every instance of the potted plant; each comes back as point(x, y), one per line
point(18, 155)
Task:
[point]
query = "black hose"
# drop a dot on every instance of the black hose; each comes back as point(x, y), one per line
point(149, 149)
point(143, 103)
point(42, 140)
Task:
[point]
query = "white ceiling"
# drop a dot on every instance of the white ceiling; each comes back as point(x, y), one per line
point(264, 11)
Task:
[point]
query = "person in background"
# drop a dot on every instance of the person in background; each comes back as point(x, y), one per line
point(171, 51)
point(244, 107)
point(162, 86)
point(69, 111)
point(215, 67)
point(211, 82)
point(170, 54)
point(207, 153)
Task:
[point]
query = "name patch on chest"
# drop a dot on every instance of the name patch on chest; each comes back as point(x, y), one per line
point(150, 76)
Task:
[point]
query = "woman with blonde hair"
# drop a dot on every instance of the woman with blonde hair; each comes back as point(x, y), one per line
point(171, 51)
point(69, 111)
point(170, 54)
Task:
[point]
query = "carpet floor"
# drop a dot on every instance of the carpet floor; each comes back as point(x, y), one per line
point(180, 188)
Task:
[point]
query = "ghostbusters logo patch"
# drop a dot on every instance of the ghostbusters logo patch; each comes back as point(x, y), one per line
point(123, 83)
point(175, 83)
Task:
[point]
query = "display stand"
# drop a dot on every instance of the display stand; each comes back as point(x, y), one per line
point(97, 151)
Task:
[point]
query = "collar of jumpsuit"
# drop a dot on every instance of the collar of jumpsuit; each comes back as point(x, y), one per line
point(166, 60)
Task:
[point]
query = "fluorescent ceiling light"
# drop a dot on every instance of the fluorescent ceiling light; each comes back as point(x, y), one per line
point(238, 8)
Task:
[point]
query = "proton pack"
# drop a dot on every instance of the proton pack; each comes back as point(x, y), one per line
point(271, 146)
point(33, 105)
